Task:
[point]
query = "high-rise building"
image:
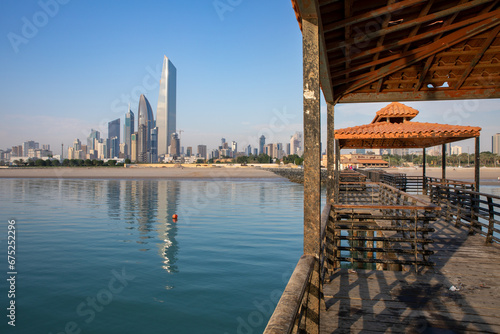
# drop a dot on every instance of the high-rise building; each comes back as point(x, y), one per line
point(93, 139)
point(128, 130)
point(175, 146)
point(114, 138)
point(249, 150)
point(495, 144)
point(30, 144)
point(256, 151)
point(262, 142)
point(77, 145)
point(153, 157)
point(189, 151)
point(202, 151)
point(145, 125)
point(166, 110)
point(133, 147)
point(296, 144)
point(17, 151)
point(234, 147)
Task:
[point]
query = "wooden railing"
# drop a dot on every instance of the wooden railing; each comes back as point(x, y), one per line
point(387, 234)
point(479, 212)
point(302, 292)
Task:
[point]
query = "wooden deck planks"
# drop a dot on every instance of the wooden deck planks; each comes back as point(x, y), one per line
point(368, 301)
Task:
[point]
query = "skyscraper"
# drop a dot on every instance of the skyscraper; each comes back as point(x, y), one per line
point(175, 146)
point(128, 130)
point(495, 144)
point(262, 142)
point(114, 138)
point(133, 147)
point(145, 125)
point(296, 143)
point(166, 110)
point(153, 156)
point(202, 151)
point(92, 139)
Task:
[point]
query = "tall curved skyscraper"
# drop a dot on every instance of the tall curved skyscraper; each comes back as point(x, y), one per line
point(146, 123)
point(166, 110)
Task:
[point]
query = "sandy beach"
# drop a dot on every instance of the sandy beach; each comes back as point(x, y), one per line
point(137, 173)
point(488, 175)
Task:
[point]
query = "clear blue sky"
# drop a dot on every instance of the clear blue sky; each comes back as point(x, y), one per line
point(239, 71)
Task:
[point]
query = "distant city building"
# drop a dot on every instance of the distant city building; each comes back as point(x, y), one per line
point(248, 150)
point(93, 139)
point(202, 151)
point(234, 147)
point(114, 133)
point(175, 146)
point(30, 144)
point(262, 143)
point(256, 151)
point(17, 151)
point(133, 147)
point(166, 110)
point(288, 148)
point(128, 130)
point(114, 148)
point(145, 125)
point(154, 145)
point(77, 144)
point(456, 150)
point(296, 144)
point(495, 144)
point(46, 147)
point(189, 151)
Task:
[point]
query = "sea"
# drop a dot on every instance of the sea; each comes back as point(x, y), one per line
point(105, 256)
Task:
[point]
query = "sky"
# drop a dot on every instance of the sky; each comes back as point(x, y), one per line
point(69, 66)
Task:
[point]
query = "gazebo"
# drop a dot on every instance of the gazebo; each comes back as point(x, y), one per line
point(393, 127)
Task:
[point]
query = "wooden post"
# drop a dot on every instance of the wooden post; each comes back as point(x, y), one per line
point(330, 152)
point(312, 164)
point(443, 162)
point(337, 170)
point(477, 161)
point(423, 171)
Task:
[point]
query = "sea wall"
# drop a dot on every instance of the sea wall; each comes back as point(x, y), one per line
point(296, 174)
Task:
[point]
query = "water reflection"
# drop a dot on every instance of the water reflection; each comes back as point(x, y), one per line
point(142, 207)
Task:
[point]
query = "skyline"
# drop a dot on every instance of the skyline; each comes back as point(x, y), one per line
point(237, 79)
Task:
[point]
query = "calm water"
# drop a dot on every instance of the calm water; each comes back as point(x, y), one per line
point(105, 256)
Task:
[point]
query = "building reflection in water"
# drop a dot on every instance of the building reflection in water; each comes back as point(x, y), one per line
point(148, 206)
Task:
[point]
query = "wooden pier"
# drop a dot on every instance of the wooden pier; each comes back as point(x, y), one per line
point(436, 264)
point(375, 301)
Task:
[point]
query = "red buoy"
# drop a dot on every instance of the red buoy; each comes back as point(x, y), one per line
point(174, 216)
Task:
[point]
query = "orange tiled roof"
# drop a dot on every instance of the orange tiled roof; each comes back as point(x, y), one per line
point(392, 129)
point(395, 110)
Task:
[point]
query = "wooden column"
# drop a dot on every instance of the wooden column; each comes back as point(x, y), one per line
point(443, 161)
point(330, 152)
point(312, 166)
point(337, 171)
point(424, 161)
point(477, 161)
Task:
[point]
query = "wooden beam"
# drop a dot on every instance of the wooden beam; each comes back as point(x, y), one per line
point(412, 23)
point(423, 52)
point(427, 95)
point(408, 40)
point(491, 37)
point(371, 15)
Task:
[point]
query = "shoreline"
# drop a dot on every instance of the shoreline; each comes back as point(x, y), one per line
point(489, 176)
point(136, 173)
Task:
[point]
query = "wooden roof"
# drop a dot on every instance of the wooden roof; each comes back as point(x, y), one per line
point(394, 130)
point(388, 50)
